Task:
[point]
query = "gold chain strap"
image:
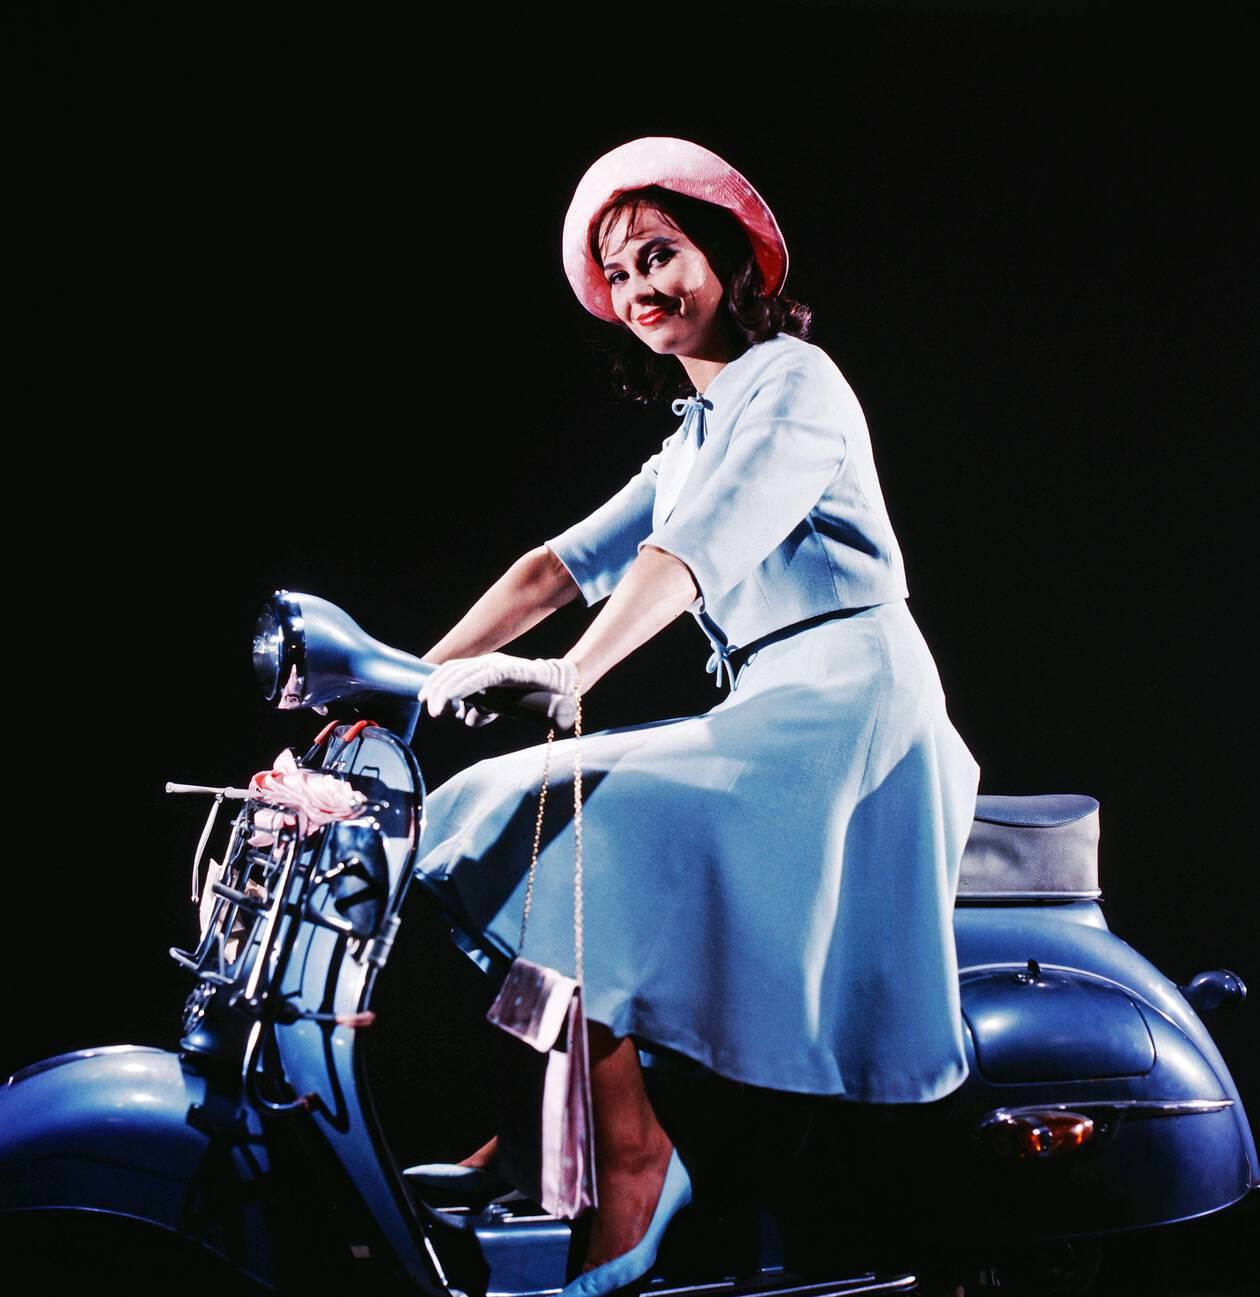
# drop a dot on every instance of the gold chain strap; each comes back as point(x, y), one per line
point(577, 831)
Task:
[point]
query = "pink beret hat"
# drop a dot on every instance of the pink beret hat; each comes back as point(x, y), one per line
point(685, 168)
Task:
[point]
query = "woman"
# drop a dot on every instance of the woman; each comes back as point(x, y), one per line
point(769, 886)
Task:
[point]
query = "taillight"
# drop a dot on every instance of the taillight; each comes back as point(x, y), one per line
point(1035, 1132)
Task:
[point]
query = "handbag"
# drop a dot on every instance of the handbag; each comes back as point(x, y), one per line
point(546, 1145)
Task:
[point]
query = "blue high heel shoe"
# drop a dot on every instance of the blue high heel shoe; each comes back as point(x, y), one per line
point(632, 1265)
point(473, 1184)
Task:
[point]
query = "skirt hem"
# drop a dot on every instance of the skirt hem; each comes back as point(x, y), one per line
point(929, 1090)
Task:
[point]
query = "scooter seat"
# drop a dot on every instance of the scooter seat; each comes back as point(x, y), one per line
point(1031, 848)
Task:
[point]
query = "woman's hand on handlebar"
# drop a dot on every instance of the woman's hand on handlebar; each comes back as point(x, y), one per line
point(458, 678)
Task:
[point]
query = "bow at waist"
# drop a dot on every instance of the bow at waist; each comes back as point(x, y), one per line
point(728, 660)
point(719, 664)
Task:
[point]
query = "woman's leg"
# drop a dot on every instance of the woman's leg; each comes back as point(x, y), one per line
point(632, 1150)
point(484, 1156)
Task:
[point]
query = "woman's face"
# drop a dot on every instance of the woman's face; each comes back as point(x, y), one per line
point(663, 288)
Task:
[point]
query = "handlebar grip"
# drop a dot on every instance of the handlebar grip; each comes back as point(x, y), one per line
point(524, 704)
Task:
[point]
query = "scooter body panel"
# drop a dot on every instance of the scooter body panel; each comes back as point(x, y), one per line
point(1173, 1140)
point(333, 935)
point(137, 1132)
point(259, 1142)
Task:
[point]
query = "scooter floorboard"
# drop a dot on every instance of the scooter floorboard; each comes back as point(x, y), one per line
point(527, 1252)
point(784, 1286)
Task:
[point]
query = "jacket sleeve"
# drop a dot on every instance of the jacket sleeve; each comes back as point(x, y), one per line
point(599, 549)
point(785, 448)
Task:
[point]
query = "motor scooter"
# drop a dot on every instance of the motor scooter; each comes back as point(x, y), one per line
point(250, 1159)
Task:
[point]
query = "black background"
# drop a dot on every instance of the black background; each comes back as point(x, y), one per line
point(297, 318)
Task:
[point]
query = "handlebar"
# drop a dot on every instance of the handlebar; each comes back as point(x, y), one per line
point(529, 705)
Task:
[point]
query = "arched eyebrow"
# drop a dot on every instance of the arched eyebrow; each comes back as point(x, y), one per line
point(647, 248)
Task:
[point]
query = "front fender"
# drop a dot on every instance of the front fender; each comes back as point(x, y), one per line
point(137, 1132)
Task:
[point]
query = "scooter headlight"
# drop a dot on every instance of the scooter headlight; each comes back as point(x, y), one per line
point(267, 647)
point(309, 653)
point(279, 652)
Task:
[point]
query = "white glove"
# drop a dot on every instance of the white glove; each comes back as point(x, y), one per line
point(455, 680)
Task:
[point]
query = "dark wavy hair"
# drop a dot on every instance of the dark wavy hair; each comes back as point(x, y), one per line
point(638, 372)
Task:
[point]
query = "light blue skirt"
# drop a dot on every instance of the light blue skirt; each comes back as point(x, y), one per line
point(769, 886)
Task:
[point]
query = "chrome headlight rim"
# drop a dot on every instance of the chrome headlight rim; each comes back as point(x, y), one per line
point(280, 620)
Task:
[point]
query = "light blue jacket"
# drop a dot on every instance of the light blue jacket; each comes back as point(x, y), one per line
point(781, 516)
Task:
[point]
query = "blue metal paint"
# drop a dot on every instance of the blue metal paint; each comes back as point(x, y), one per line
point(136, 1131)
point(1056, 1010)
point(1054, 1027)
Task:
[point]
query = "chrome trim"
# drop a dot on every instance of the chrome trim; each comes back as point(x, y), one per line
point(276, 903)
point(238, 794)
point(201, 847)
point(867, 1283)
point(1091, 895)
point(971, 972)
point(437, 1262)
point(1125, 1107)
